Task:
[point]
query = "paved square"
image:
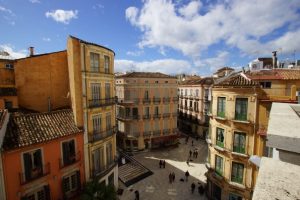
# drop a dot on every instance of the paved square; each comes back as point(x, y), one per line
point(157, 186)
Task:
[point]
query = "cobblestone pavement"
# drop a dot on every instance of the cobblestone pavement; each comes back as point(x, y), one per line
point(157, 186)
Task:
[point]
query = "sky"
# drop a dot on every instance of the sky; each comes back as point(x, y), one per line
point(169, 36)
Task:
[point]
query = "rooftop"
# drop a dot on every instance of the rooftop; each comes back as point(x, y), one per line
point(277, 180)
point(90, 43)
point(27, 129)
point(275, 74)
point(284, 125)
point(224, 69)
point(236, 79)
point(145, 75)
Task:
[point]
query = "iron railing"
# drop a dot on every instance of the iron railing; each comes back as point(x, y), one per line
point(94, 103)
point(64, 162)
point(34, 174)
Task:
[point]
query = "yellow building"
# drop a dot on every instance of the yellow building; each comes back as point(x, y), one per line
point(91, 76)
point(8, 92)
point(240, 109)
point(147, 110)
point(194, 106)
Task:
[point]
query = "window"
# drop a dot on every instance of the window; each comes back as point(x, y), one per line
point(219, 165)
point(107, 90)
point(106, 64)
point(237, 172)
point(98, 160)
point(266, 84)
point(185, 92)
point(97, 123)
point(166, 82)
point(234, 197)
point(8, 105)
point(108, 121)
point(239, 142)
point(43, 193)
point(111, 179)
point(71, 182)
point(241, 109)
point(68, 149)
point(146, 94)
point(220, 137)
point(9, 66)
point(94, 62)
point(197, 92)
point(156, 81)
point(127, 112)
point(156, 111)
point(221, 107)
point(135, 112)
point(109, 153)
point(191, 92)
point(33, 164)
point(147, 111)
point(217, 191)
point(96, 91)
point(191, 103)
point(181, 92)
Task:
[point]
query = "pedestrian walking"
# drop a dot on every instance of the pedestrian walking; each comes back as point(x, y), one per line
point(196, 154)
point(193, 187)
point(188, 162)
point(160, 163)
point(187, 174)
point(170, 178)
point(173, 176)
point(190, 153)
point(200, 189)
point(192, 142)
point(137, 195)
point(164, 164)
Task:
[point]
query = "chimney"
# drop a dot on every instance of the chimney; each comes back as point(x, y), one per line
point(31, 51)
point(274, 59)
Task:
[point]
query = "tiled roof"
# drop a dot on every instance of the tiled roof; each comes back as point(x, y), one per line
point(145, 75)
point(8, 91)
point(90, 43)
point(28, 129)
point(191, 82)
point(236, 79)
point(207, 81)
point(275, 74)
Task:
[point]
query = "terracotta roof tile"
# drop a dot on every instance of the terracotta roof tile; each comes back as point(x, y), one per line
point(145, 75)
point(236, 79)
point(275, 74)
point(28, 129)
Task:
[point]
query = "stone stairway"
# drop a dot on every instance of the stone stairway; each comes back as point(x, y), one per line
point(132, 171)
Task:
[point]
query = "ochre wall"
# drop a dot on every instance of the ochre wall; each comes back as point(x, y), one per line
point(40, 77)
point(51, 153)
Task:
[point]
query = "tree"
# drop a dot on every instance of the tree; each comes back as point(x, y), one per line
point(93, 190)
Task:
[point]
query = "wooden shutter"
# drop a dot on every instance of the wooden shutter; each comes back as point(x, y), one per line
point(66, 153)
point(47, 192)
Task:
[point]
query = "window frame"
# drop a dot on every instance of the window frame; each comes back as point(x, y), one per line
point(94, 62)
point(237, 148)
point(235, 177)
point(220, 143)
point(219, 169)
point(221, 107)
point(242, 115)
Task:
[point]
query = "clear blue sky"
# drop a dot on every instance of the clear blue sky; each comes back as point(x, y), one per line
point(157, 35)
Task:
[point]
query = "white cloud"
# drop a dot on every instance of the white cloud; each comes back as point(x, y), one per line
point(167, 66)
point(194, 27)
point(46, 39)
point(100, 6)
point(134, 53)
point(6, 10)
point(34, 1)
point(12, 52)
point(63, 16)
point(214, 63)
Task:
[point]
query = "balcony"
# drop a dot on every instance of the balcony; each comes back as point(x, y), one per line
point(166, 131)
point(147, 133)
point(220, 144)
point(156, 115)
point(175, 99)
point(146, 101)
point(166, 99)
point(240, 117)
point(181, 106)
point(146, 116)
point(122, 101)
point(166, 115)
point(190, 108)
point(95, 103)
point(100, 135)
point(205, 98)
point(103, 169)
point(156, 133)
point(219, 172)
point(239, 149)
point(237, 179)
point(156, 100)
point(34, 174)
point(64, 162)
point(128, 117)
point(221, 114)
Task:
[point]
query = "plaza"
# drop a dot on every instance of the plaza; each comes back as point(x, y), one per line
point(157, 186)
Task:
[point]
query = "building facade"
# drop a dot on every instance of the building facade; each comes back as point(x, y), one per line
point(91, 76)
point(42, 156)
point(194, 106)
point(8, 92)
point(146, 110)
point(238, 124)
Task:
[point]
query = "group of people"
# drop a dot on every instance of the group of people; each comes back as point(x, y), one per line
point(200, 188)
point(171, 177)
point(162, 164)
point(194, 153)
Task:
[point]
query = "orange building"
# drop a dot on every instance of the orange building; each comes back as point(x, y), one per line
point(43, 156)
